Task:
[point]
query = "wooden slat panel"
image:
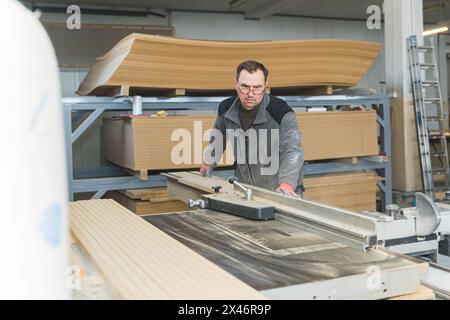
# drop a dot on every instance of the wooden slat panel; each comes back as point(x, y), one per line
point(141, 262)
point(146, 61)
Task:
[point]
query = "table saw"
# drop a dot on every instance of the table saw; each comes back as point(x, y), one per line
point(306, 250)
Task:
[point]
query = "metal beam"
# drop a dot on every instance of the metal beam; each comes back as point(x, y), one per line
point(349, 227)
point(156, 103)
point(69, 150)
point(86, 123)
point(120, 183)
point(273, 7)
point(99, 172)
point(99, 194)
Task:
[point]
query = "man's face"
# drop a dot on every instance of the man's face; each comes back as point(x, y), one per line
point(250, 88)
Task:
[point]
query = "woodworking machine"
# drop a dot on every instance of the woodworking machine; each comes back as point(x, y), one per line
point(290, 248)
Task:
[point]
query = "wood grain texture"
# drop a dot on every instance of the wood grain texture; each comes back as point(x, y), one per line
point(145, 143)
point(423, 294)
point(149, 206)
point(141, 262)
point(333, 135)
point(150, 194)
point(352, 191)
point(146, 61)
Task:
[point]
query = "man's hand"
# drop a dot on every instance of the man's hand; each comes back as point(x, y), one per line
point(205, 170)
point(286, 189)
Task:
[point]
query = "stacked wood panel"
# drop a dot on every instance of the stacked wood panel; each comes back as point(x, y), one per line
point(147, 201)
point(155, 62)
point(353, 191)
point(145, 143)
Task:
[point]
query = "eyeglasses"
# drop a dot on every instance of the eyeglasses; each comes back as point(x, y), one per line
point(246, 89)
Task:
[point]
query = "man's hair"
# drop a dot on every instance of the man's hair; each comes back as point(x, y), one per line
point(251, 66)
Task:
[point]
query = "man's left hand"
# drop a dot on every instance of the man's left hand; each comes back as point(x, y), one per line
point(286, 189)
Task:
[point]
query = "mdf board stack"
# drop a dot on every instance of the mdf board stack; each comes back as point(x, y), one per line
point(339, 134)
point(139, 261)
point(352, 191)
point(147, 143)
point(147, 201)
point(155, 62)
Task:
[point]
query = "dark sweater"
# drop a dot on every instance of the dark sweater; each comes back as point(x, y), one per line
point(246, 117)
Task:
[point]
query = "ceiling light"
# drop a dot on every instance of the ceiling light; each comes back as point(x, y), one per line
point(441, 27)
point(435, 31)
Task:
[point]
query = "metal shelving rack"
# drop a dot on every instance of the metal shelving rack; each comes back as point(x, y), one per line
point(103, 179)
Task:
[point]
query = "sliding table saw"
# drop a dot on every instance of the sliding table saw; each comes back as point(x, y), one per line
point(290, 248)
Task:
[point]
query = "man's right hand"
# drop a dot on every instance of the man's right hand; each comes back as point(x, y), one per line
point(286, 189)
point(205, 170)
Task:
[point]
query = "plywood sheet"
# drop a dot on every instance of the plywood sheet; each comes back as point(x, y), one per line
point(147, 143)
point(150, 194)
point(142, 207)
point(352, 191)
point(141, 262)
point(146, 61)
point(423, 294)
point(333, 135)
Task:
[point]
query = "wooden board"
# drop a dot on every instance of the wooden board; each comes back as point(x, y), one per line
point(145, 143)
point(150, 194)
point(142, 207)
point(195, 180)
point(332, 135)
point(145, 61)
point(423, 294)
point(352, 191)
point(141, 262)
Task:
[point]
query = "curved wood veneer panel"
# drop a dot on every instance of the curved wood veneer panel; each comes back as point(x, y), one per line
point(155, 62)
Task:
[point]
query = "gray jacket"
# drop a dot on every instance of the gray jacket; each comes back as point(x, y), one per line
point(267, 154)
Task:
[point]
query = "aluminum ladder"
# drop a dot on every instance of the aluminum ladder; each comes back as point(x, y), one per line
point(429, 115)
